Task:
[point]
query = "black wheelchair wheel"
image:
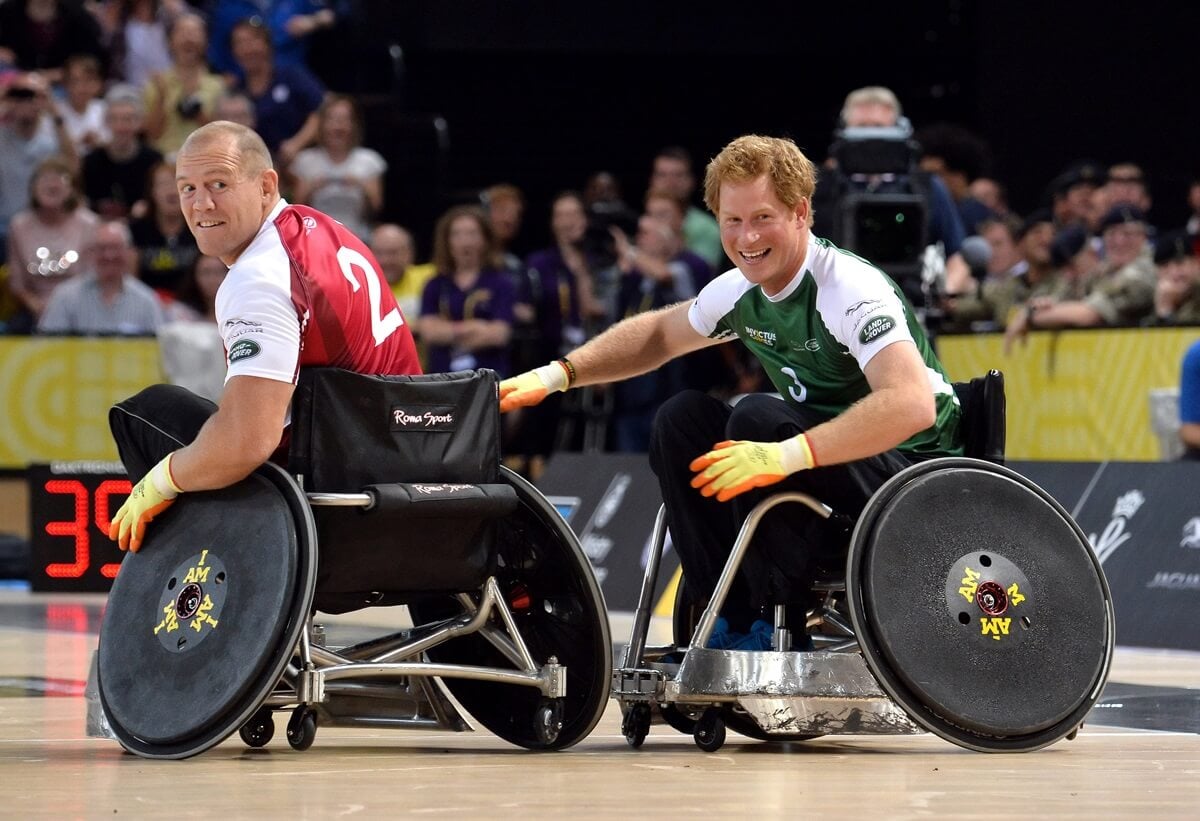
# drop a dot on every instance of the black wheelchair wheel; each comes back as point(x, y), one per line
point(979, 605)
point(549, 585)
point(201, 623)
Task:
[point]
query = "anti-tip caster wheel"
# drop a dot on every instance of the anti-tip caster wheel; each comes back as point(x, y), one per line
point(710, 730)
point(548, 720)
point(260, 729)
point(302, 728)
point(636, 725)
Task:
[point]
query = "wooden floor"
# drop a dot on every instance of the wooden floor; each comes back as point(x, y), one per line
point(48, 768)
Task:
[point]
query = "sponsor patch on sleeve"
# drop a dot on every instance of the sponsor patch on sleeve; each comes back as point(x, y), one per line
point(877, 327)
point(243, 349)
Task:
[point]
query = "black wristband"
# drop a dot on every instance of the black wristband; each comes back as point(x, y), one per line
point(570, 369)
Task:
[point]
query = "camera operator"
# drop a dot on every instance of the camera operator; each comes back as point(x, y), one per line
point(874, 200)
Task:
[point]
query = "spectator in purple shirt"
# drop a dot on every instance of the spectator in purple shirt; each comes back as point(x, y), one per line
point(467, 309)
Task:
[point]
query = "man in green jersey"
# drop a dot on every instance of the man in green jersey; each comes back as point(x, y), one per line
point(863, 394)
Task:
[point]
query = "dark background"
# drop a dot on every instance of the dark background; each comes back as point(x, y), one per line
point(543, 93)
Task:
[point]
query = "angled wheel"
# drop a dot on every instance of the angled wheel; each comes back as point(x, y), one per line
point(201, 622)
point(559, 610)
point(710, 731)
point(260, 729)
point(302, 728)
point(979, 605)
point(635, 726)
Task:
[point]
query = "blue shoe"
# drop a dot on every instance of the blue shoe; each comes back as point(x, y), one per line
point(760, 637)
point(722, 637)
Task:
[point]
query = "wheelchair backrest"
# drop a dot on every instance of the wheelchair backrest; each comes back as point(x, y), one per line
point(983, 416)
point(350, 430)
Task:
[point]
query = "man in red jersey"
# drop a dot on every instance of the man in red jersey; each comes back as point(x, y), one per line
point(301, 291)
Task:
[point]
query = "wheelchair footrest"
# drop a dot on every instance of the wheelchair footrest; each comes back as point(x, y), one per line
point(638, 684)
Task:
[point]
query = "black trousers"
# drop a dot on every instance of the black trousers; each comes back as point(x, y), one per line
point(150, 424)
point(791, 539)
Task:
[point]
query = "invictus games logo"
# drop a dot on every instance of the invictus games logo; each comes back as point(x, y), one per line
point(765, 337)
point(243, 349)
point(876, 328)
point(422, 417)
point(1114, 535)
point(1191, 533)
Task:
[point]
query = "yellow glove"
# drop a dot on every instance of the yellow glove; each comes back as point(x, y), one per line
point(532, 387)
point(149, 497)
point(733, 467)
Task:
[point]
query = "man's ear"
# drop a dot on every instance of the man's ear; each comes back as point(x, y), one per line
point(270, 183)
point(804, 211)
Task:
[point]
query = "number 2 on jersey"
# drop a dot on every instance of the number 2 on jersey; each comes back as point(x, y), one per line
point(381, 326)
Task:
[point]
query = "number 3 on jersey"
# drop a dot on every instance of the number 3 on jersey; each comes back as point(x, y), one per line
point(797, 391)
point(381, 326)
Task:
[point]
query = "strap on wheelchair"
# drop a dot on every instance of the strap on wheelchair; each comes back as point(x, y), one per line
point(445, 500)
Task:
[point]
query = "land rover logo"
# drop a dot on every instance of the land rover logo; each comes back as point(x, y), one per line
point(243, 349)
point(876, 328)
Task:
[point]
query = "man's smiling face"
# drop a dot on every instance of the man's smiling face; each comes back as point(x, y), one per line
point(764, 238)
point(223, 202)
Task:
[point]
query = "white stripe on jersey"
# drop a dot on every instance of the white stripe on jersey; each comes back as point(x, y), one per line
point(716, 299)
point(255, 313)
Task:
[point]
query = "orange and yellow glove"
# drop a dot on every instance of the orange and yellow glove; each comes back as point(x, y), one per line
point(149, 497)
point(532, 387)
point(733, 467)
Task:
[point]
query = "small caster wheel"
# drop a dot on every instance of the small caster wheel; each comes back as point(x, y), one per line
point(302, 728)
point(636, 724)
point(1071, 735)
point(259, 729)
point(547, 720)
point(710, 730)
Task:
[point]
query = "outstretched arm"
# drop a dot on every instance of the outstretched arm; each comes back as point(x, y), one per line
point(631, 347)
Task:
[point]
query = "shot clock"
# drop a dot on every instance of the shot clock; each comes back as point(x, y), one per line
point(70, 507)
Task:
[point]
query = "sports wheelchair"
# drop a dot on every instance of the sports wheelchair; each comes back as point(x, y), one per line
point(971, 606)
point(209, 629)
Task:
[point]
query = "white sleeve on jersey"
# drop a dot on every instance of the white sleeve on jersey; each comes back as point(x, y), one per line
point(259, 327)
point(863, 311)
point(715, 300)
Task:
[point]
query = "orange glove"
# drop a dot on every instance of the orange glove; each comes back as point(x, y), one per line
point(532, 387)
point(733, 467)
point(149, 497)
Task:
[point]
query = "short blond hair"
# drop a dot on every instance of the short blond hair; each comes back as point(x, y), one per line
point(792, 175)
point(871, 95)
point(252, 151)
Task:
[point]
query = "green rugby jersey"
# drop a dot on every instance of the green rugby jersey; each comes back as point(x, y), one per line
point(816, 336)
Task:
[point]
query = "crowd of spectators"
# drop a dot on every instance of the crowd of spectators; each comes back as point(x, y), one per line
point(95, 99)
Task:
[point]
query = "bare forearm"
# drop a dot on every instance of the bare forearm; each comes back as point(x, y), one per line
point(877, 423)
point(224, 452)
point(630, 348)
point(473, 334)
point(1066, 315)
point(435, 330)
